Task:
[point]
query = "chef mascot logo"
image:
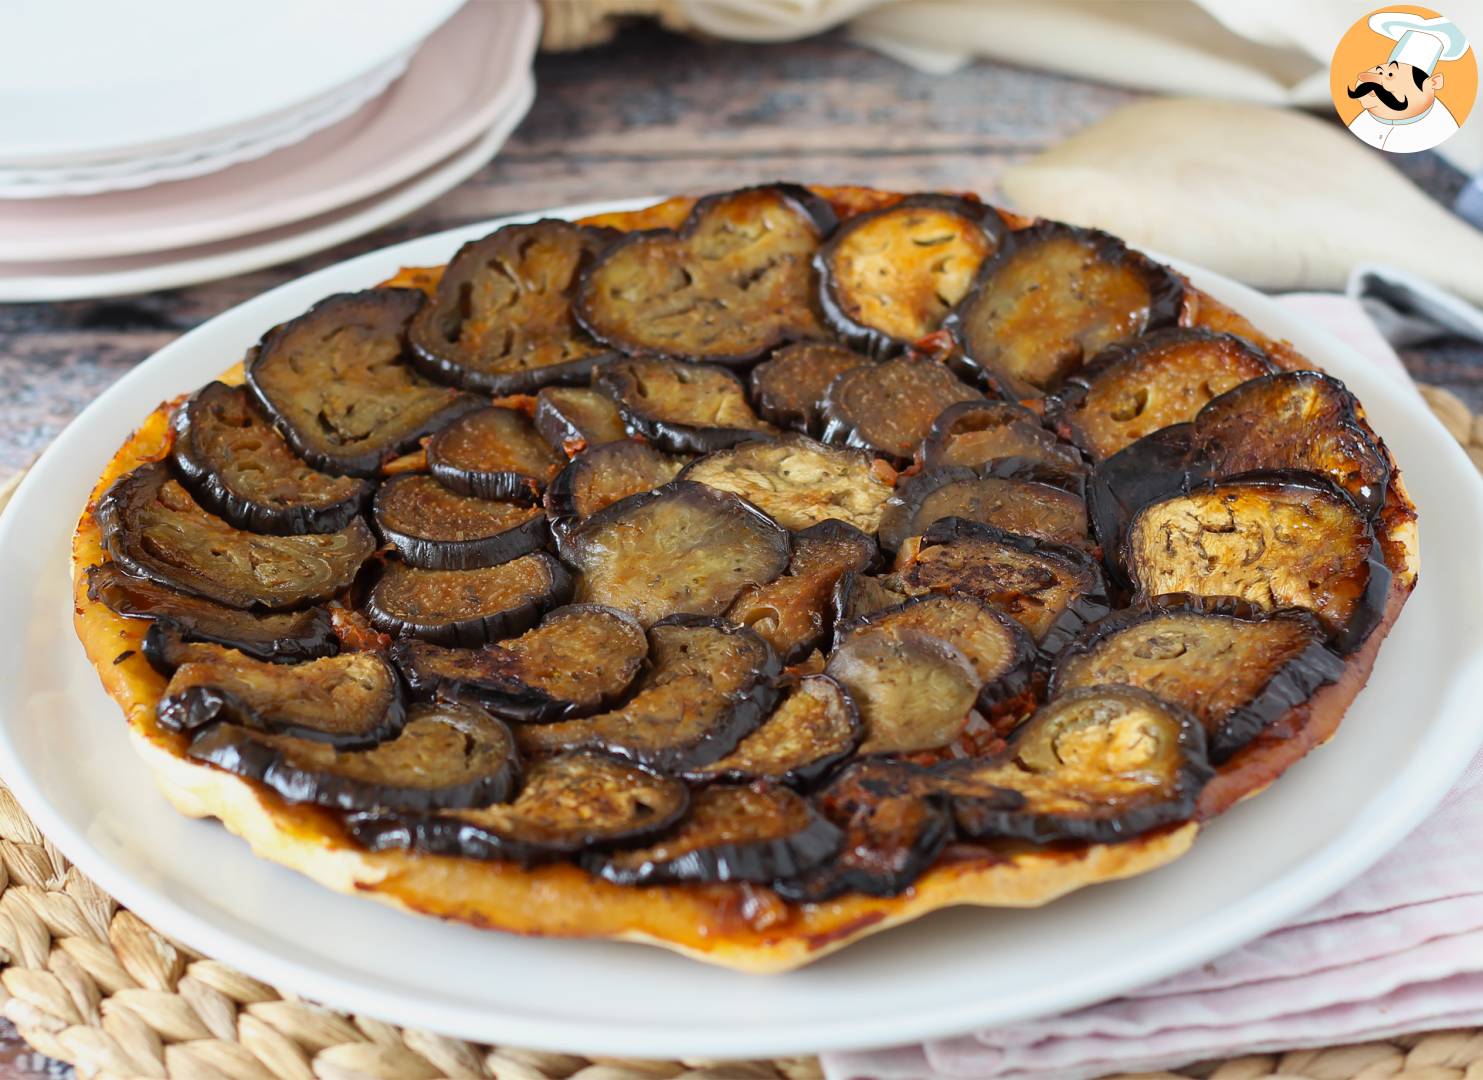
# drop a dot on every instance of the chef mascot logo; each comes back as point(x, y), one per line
point(1404, 79)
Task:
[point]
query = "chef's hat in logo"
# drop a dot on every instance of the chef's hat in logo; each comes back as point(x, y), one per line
point(1404, 78)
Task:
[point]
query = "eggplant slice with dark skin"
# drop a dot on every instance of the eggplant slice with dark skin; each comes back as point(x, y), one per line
point(759, 834)
point(152, 528)
point(579, 659)
point(888, 408)
point(350, 701)
point(814, 729)
point(237, 465)
point(889, 277)
point(788, 388)
point(493, 454)
point(914, 690)
point(282, 637)
point(709, 685)
point(734, 281)
point(682, 548)
point(570, 803)
point(576, 418)
point(434, 528)
point(1052, 297)
point(686, 408)
point(336, 382)
point(1235, 668)
point(501, 320)
point(857, 595)
point(448, 755)
point(1155, 467)
point(975, 434)
point(1015, 504)
point(798, 482)
point(1282, 539)
point(1133, 389)
point(597, 478)
point(467, 607)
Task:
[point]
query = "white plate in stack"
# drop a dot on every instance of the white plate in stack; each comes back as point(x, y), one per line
point(418, 121)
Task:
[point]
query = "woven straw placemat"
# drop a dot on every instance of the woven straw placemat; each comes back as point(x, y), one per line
point(88, 982)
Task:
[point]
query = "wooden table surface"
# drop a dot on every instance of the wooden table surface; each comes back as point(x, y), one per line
point(649, 114)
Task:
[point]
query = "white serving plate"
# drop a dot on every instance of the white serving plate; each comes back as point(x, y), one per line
point(64, 753)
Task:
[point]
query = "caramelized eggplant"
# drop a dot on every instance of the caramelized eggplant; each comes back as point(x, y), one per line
point(235, 464)
point(437, 529)
point(975, 434)
point(1015, 504)
point(788, 389)
point(815, 728)
point(1155, 467)
point(575, 418)
point(152, 528)
point(857, 595)
point(349, 701)
point(888, 408)
point(1052, 296)
point(285, 637)
point(681, 548)
point(1099, 764)
point(732, 282)
point(492, 454)
point(568, 804)
point(709, 684)
point(1233, 667)
point(447, 755)
point(1294, 420)
point(798, 482)
point(914, 690)
point(335, 382)
point(1133, 389)
point(792, 612)
point(1274, 539)
point(890, 276)
point(467, 607)
point(758, 834)
point(597, 478)
point(578, 660)
point(687, 408)
point(501, 321)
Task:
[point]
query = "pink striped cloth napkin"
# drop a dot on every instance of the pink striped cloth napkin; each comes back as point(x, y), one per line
point(1399, 950)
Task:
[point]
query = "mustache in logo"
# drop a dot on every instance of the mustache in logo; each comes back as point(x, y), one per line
point(1389, 100)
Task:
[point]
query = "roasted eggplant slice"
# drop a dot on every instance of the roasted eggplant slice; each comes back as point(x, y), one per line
point(500, 321)
point(1133, 389)
point(1235, 668)
point(1052, 297)
point(890, 276)
point(568, 804)
point(152, 528)
point(857, 595)
point(580, 659)
point(687, 408)
point(597, 478)
point(350, 701)
point(1155, 467)
point(888, 408)
point(789, 388)
point(237, 466)
point(759, 834)
point(335, 382)
point(447, 755)
point(575, 418)
point(798, 482)
point(792, 612)
point(709, 685)
point(733, 282)
point(1014, 504)
point(285, 637)
point(492, 454)
point(1274, 539)
point(467, 607)
point(975, 434)
point(914, 690)
point(1294, 420)
point(1100, 764)
point(815, 728)
point(437, 529)
point(681, 548)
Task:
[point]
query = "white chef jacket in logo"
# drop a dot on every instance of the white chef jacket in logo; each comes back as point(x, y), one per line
point(1406, 136)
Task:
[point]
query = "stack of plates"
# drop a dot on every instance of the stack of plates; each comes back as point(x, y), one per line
point(181, 142)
